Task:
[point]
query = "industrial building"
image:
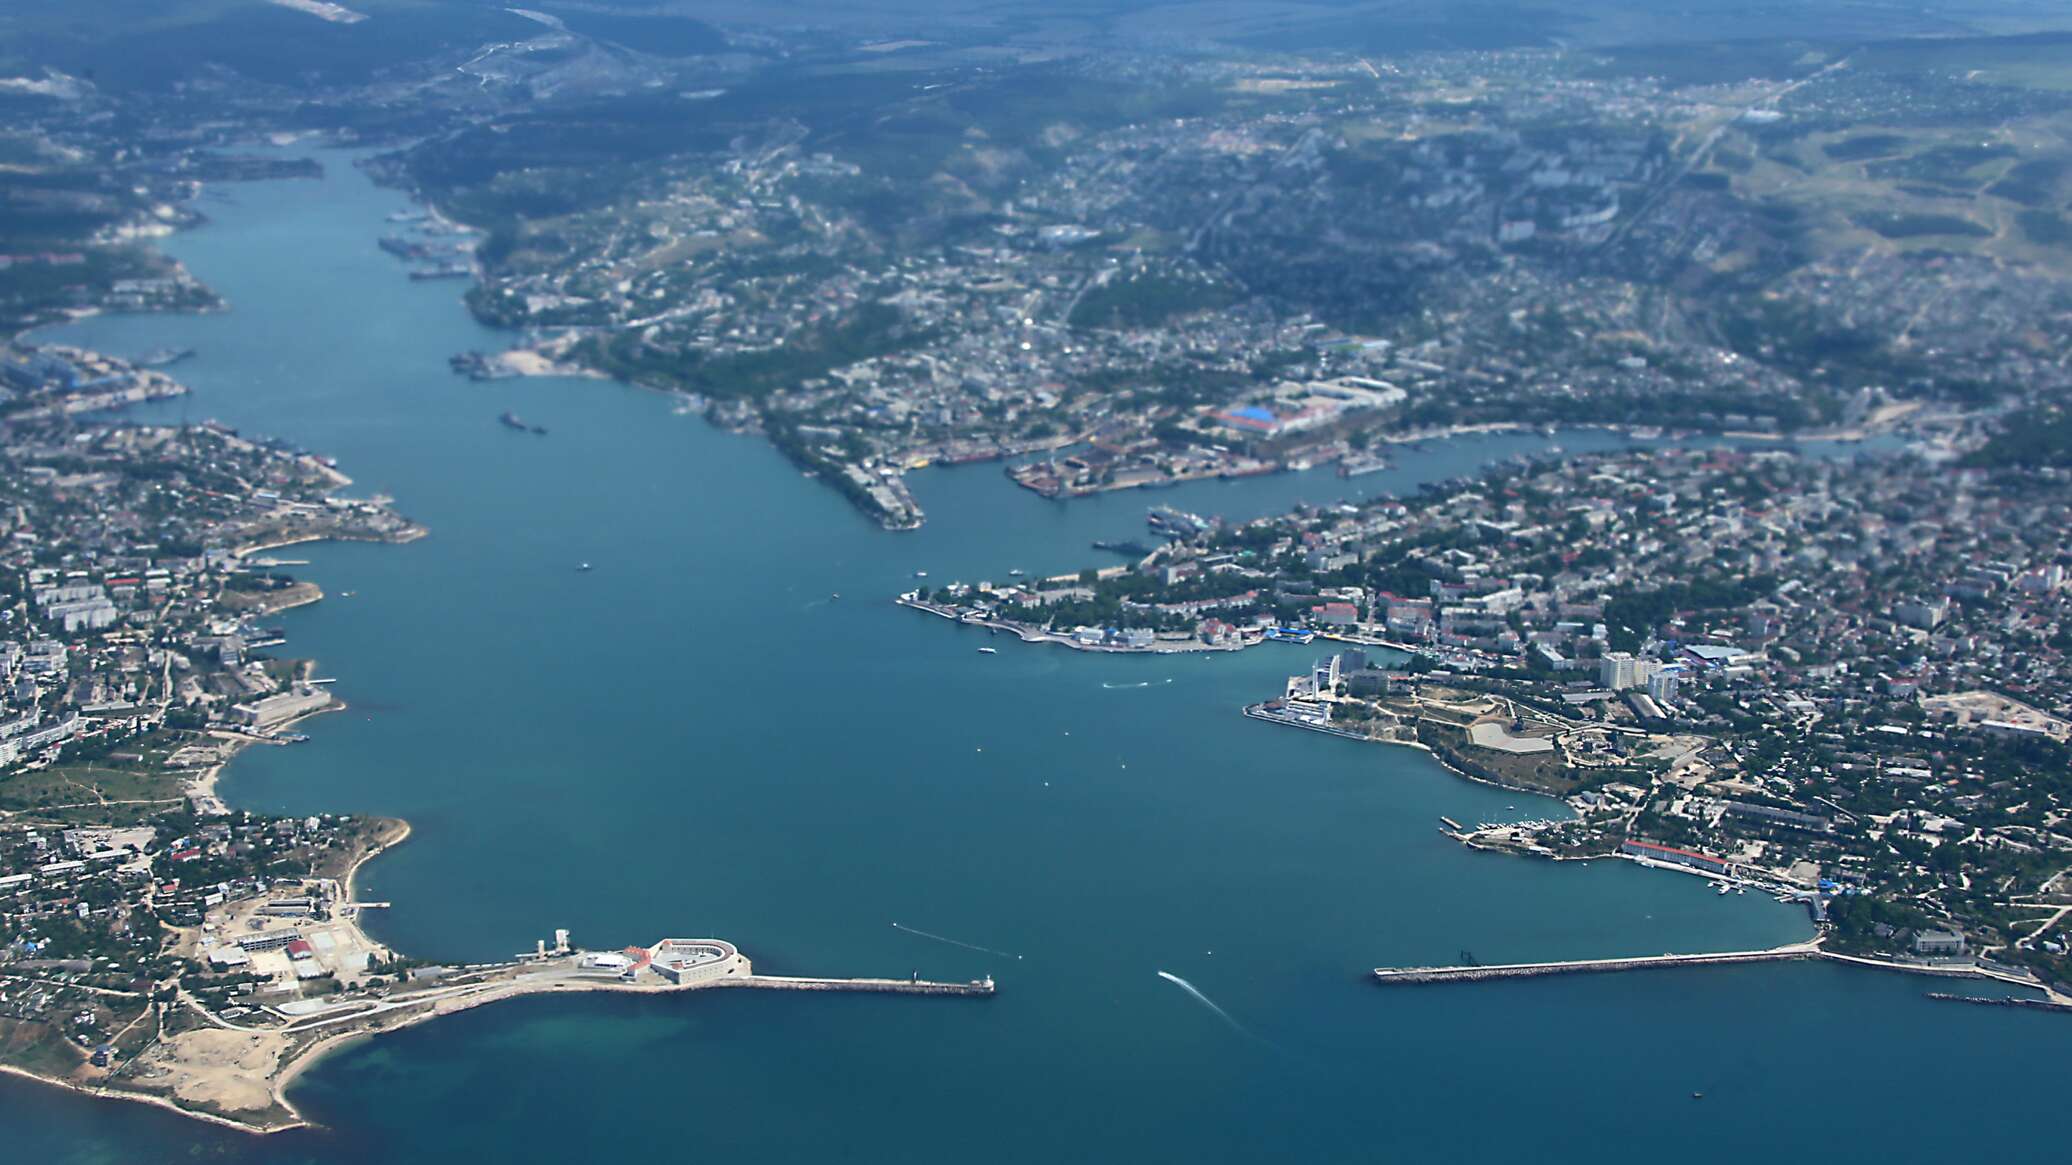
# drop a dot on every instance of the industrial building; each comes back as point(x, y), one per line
point(281, 707)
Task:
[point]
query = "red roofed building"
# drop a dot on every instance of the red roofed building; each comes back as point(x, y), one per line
point(1338, 614)
point(1676, 857)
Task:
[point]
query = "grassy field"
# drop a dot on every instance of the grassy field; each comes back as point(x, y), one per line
point(1897, 224)
point(2040, 61)
point(1862, 147)
point(1141, 301)
point(1971, 154)
point(37, 1047)
point(1997, 190)
point(1539, 772)
point(2046, 228)
point(88, 792)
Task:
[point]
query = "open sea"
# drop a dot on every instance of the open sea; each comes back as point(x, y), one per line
point(697, 737)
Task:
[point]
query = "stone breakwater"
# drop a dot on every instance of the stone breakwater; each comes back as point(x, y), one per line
point(976, 987)
point(1471, 974)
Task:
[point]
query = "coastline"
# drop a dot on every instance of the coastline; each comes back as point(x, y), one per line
point(1035, 635)
point(403, 538)
point(1027, 634)
point(302, 1059)
point(203, 784)
point(1958, 971)
point(2050, 998)
point(285, 1078)
point(178, 1070)
point(396, 832)
point(1255, 712)
point(103, 1092)
point(560, 972)
point(399, 832)
point(295, 1062)
point(199, 790)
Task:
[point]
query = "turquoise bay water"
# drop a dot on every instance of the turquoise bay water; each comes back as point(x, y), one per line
point(698, 738)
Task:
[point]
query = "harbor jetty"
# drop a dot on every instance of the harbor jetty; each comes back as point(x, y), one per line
point(913, 986)
point(2056, 1005)
point(1809, 949)
point(1262, 712)
point(1477, 973)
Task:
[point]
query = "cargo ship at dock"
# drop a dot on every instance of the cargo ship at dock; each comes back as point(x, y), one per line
point(1176, 523)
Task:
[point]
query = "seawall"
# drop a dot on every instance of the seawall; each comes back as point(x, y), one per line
point(976, 987)
point(1471, 974)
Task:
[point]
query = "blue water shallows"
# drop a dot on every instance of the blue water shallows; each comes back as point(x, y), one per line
point(697, 737)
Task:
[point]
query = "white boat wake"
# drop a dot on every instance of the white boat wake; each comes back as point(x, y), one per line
point(953, 942)
point(1205, 1001)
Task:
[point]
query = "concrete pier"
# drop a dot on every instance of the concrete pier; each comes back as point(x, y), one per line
point(1259, 712)
point(685, 964)
point(976, 987)
point(1395, 975)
